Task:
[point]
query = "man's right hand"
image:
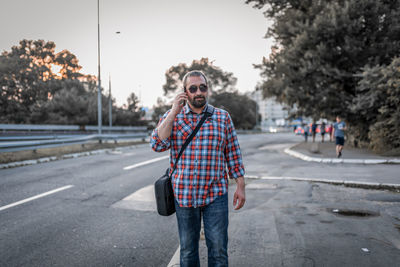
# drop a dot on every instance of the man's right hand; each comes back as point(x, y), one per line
point(179, 103)
point(165, 128)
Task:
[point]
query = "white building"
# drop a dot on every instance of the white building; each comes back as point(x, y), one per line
point(272, 113)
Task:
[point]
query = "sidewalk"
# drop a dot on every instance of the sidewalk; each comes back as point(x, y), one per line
point(326, 153)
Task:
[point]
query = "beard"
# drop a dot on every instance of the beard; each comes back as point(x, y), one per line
point(198, 101)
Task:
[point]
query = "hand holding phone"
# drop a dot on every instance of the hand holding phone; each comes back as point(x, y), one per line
point(179, 102)
point(183, 103)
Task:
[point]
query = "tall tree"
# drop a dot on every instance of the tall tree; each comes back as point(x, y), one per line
point(24, 73)
point(322, 48)
point(70, 105)
point(159, 110)
point(241, 108)
point(27, 77)
point(133, 102)
point(378, 102)
point(130, 113)
point(68, 65)
point(219, 80)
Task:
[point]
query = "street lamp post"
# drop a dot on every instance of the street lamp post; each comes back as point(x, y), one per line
point(109, 102)
point(98, 77)
point(109, 97)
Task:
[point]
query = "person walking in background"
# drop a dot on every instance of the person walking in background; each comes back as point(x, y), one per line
point(323, 131)
point(330, 129)
point(200, 181)
point(314, 130)
point(306, 131)
point(338, 131)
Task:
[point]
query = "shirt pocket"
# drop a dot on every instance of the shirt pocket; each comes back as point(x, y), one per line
point(213, 133)
point(183, 130)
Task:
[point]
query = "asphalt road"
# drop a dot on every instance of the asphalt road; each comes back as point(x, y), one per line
point(103, 214)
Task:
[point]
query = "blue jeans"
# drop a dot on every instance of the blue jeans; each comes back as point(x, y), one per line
point(215, 220)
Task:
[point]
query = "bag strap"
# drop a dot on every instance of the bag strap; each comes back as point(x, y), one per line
point(208, 113)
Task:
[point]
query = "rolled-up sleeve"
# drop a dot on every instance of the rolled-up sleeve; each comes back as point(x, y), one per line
point(233, 155)
point(157, 144)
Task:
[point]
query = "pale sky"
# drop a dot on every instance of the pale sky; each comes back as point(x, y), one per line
point(155, 35)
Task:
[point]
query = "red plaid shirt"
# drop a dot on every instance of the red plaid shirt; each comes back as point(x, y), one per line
point(201, 173)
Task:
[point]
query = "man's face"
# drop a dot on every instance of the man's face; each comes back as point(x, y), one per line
point(338, 119)
point(196, 98)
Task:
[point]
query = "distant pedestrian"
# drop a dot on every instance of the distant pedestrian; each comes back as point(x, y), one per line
point(323, 131)
point(314, 130)
point(338, 131)
point(330, 129)
point(306, 131)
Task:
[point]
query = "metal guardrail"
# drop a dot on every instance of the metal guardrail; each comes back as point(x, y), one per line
point(31, 145)
point(16, 137)
point(52, 127)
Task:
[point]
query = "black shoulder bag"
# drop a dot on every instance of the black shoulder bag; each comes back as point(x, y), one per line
point(163, 186)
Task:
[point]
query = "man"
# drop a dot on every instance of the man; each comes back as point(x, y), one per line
point(338, 131)
point(323, 131)
point(330, 132)
point(200, 180)
point(314, 130)
point(306, 129)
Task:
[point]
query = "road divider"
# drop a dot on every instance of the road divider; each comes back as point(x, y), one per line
point(145, 163)
point(35, 197)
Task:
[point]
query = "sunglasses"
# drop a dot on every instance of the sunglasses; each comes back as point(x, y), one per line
point(193, 88)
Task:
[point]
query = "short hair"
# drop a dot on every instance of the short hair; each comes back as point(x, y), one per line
point(193, 73)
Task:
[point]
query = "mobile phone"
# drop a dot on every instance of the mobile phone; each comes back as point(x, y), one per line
point(183, 102)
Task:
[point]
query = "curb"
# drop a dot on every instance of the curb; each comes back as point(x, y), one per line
point(301, 156)
point(354, 184)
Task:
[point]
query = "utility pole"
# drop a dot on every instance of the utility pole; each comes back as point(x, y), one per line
point(109, 102)
point(99, 121)
point(110, 97)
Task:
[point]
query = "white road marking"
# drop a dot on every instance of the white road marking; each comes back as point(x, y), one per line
point(145, 194)
point(175, 259)
point(145, 163)
point(35, 197)
point(143, 200)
